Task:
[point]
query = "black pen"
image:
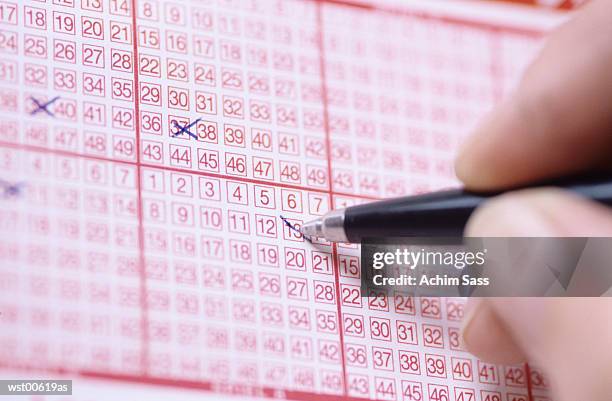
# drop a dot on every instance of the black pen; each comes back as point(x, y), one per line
point(437, 214)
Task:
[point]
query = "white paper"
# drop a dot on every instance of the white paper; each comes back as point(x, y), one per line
point(186, 282)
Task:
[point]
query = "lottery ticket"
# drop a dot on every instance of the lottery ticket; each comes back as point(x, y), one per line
point(156, 156)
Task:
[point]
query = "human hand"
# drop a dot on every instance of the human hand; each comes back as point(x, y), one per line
point(558, 122)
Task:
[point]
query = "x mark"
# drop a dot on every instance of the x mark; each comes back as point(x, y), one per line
point(185, 128)
point(43, 106)
point(10, 190)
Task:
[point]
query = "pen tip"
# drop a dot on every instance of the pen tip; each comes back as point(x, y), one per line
point(312, 228)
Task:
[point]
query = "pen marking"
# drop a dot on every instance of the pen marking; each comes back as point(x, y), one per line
point(186, 129)
point(292, 227)
point(10, 190)
point(42, 106)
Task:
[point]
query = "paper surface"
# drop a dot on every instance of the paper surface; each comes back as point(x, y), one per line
point(149, 148)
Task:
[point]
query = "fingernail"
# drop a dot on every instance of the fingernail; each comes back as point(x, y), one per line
point(484, 335)
point(464, 161)
point(472, 308)
point(474, 150)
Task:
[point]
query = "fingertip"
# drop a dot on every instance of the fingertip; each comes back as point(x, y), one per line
point(484, 152)
point(463, 165)
point(468, 158)
point(484, 335)
point(558, 119)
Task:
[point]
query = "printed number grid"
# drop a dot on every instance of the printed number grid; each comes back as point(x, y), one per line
point(154, 146)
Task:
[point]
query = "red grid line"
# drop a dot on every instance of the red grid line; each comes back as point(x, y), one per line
point(144, 317)
point(66, 153)
point(529, 383)
point(432, 16)
point(328, 148)
point(238, 389)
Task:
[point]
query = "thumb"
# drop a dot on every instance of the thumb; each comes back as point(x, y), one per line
point(570, 339)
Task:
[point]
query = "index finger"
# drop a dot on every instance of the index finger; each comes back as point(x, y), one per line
point(559, 121)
